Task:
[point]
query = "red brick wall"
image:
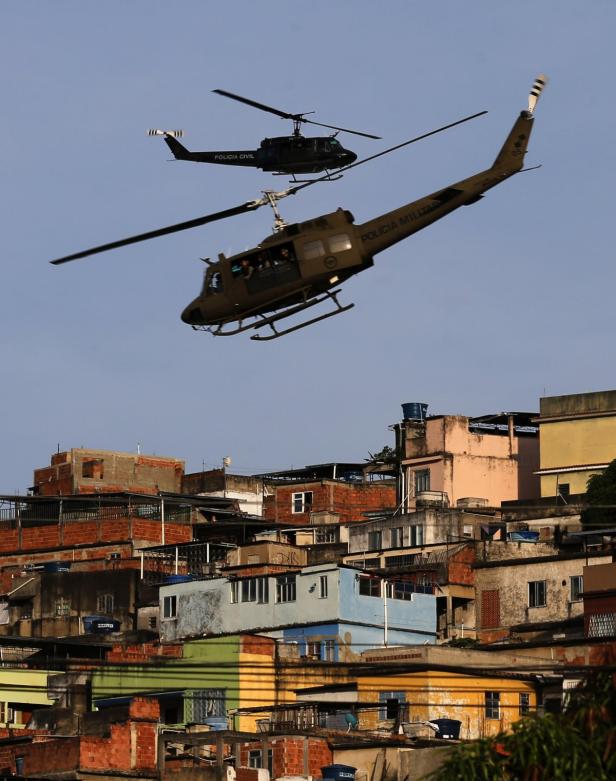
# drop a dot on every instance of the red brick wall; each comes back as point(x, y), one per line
point(55, 537)
point(289, 754)
point(144, 652)
point(459, 566)
point(50, 756)
point(350, 500)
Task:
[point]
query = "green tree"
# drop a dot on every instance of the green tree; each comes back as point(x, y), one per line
point(577, 745)
point(601, 498)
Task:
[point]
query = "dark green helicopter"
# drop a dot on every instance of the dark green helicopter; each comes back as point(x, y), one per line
point(301, 265)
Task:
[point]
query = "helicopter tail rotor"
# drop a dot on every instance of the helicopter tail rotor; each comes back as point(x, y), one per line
point(172, 133)
point(536, 91)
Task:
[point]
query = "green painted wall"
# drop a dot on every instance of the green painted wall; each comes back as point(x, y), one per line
point(211, 663)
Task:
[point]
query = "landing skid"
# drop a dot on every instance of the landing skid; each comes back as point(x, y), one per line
point(273, 319)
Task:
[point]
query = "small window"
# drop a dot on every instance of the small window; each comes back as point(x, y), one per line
point(339, 243)
point(314, 249)
point(170, 606)
point(564, 492)
point(524, 707)
point(286, 589)
point(467, 531)
point(249, 590)
point(322, 535)
point(577, 587)
point(92, 469)
point(235, 591)
point(417, 535)
point(255, 759)
point(152, 622)
point(422, 480)
point(302, 502)
point(313, 649)
point(374, 540)
point(396, 537)
point(369, 587)
point(329, 651)
point(104, 603)
point(63, 607)
point(492, 703)
point(537, 593)
point(323, 587)
point(262, 590)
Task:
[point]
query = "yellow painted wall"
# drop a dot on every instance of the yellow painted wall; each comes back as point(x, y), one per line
point(257, 687)
point(573, 442)
point(447, 695)
point(18, 685)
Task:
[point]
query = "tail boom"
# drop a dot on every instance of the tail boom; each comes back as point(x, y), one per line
point(394, 226)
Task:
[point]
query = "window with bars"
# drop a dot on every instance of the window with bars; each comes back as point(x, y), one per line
point(601, 625)
point(323, 587)
point(63, 607)
point(104, 603)
point(205, 704)
point(329, 651)
point(492, 705)
point(524, 706)
point(390, 705)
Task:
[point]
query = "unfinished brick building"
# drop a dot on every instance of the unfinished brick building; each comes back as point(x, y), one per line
point(118, 744)
point(85, 471)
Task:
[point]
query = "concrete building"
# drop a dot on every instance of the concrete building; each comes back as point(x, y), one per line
point(453, 460)
point(525, 590)
point(69, 603)
point(331, 612)
point(578, 439)
point(248, 491)
point(86, 471)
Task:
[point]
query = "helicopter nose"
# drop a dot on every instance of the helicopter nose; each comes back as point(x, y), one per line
point(348, 158)
point(192, 314)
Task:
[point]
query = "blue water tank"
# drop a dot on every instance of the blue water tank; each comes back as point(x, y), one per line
point(414, 410)
point(216, 723)
point(339, 772)
point(178, 579)
point(448, 728)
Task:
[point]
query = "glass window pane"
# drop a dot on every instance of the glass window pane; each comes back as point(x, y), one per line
point(314, 249)
point(339, 243)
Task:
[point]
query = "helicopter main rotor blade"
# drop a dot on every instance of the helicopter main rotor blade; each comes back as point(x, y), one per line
point(180, 226)
point(293, 190)
point(286, 114)
point(254, 104)
point(343, 129)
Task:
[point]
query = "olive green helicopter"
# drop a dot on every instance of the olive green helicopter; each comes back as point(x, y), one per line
point(303, 264)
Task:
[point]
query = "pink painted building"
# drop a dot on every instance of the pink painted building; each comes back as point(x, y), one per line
point(453, 460)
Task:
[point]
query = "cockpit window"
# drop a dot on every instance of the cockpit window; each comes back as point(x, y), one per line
point(214, 283)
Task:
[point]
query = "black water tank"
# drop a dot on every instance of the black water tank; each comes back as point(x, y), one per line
point(414, 410)
point(339, 772)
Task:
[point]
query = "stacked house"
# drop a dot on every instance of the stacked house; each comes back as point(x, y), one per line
point(368, 614)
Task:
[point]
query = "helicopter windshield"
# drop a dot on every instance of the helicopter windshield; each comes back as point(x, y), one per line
point(213, 283)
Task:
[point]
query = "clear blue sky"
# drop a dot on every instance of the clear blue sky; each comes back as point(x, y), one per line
point(485, 311)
